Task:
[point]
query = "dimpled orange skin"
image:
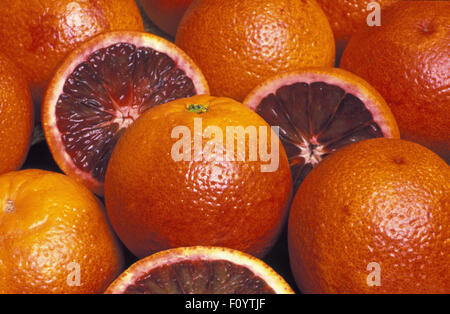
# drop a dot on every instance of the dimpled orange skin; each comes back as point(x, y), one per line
point(348, 16)
point(156, 203)
point(16, 116)
point(239, 44)
point(406, 60)
point(37, 34)
point(49, 226)
point(384, 201)
point(166, 14)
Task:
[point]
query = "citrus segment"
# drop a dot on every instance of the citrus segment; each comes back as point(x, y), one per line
point(318, 112)
point(199, 270)
point(102, 88)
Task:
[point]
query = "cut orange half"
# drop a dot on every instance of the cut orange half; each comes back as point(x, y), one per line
point(101, 88)
point(320, 110)
point(199, 270)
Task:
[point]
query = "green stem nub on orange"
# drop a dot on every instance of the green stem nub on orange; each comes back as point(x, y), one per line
point(197, 108)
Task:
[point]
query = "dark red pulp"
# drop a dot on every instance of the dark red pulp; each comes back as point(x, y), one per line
point(315, 120)
point(200, 277)
point(106, 93)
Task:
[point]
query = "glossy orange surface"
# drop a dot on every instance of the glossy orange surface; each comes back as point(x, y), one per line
point(348, 16)
point(156, 202)
point(239, 44)
point(383, 201)
point(16, 116)
point(37, 34)
point(52, 228)
point(407, 61)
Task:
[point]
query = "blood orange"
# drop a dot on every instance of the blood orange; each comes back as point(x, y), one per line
point(347, 17)
point(55, 236)
point(38, 34)
point(320, 111)
point(407, 60)
point(199, 270)
point(208, 191)
point(101, 88)
point(373, 218)
point(16, 116)
point(239, 44)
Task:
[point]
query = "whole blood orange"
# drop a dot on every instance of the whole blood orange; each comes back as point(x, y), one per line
point(319, 111)
point(373, 217)
point(54, 236)
point(199, 270)
point(101, 88)
point(407, 61)
point(189, 173)
point(16, 116)
point(346, 17)
point(238, 44)
point(166, 14)
point(37, 34)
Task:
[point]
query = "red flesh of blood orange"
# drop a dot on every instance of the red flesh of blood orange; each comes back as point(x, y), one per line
point(319, 111)
point(101, 88)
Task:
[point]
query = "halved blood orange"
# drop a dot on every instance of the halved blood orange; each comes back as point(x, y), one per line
point(320, 110)
point(101, 88)
point(199, 270)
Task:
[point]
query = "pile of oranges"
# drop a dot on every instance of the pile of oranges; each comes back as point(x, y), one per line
point(315, 130)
